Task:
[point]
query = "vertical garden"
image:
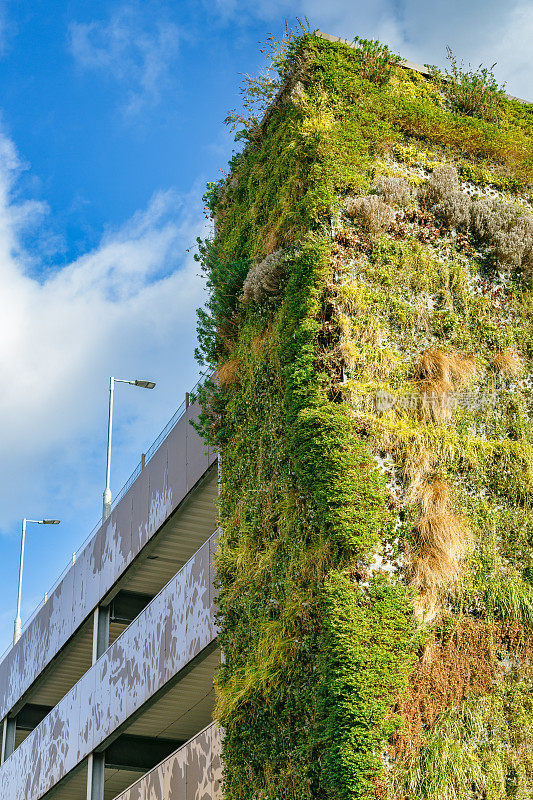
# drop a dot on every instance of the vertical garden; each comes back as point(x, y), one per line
point(370, 323)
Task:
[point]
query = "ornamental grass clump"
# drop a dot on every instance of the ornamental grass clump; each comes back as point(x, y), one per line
point(438, 374)
point(228, 372)
point(440, 540)
point(264, 278)
point(507, 362)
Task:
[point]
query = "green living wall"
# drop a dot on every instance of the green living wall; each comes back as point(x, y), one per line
point(370, 324)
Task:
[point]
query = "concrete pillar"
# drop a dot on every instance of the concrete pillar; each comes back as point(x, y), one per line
point(9, 729)
point(3, 745)
point(100, 632)
point(96, 761)
point(95, 776)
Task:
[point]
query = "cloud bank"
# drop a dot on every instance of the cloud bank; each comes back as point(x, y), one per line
point(126, 308)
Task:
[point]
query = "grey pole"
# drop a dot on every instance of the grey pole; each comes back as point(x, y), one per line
point(106, 505)
point(18, 624)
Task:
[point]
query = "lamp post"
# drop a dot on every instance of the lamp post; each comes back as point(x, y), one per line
point(18, 622)
point(106, 506)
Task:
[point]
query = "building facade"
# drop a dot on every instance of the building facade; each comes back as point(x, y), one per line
point(111, 684)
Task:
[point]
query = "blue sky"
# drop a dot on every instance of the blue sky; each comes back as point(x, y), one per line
point(111, 122)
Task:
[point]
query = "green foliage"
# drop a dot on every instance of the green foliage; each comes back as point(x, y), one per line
point(367, 656)
point(258, 91)
point(480, 750)
point(216, 323)
point(318, 645)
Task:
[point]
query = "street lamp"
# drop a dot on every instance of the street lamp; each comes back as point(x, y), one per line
point(106, 507)
point(18, 623)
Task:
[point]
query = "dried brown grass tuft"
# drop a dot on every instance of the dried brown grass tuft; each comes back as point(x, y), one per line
point(418, 465)
point(507, 362)
point(228, 373)
point(439, 544)
point(438, 374)
point(443, 372)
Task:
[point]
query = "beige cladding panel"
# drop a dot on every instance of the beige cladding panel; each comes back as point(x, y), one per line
point(136, 666)
point(175, 468)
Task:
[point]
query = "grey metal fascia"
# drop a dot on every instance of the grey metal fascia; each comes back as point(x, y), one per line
point(193, 770)
point(170, 633)
point(176, 467)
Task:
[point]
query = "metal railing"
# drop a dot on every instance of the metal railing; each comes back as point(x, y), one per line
point(146, 457)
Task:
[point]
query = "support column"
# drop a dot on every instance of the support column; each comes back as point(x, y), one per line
point(96, 761)
point(3, 745)
point(9, 729)
point(95, 776)
point(100, 631)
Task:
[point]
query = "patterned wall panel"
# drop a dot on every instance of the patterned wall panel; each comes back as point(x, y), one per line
point(165, 636)
point(194, 772)
point(175, 468)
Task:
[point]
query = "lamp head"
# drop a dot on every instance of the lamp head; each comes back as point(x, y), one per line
point(144, 384)
point(51, 521)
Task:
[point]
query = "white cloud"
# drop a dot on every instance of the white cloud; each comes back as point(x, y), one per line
point(125, 308)
point(133, 48)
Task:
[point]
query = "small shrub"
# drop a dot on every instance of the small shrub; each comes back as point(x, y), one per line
point(455, 210)
point(264, 277)
point(376, 61)
point(394, 190)
point(474, 93)
point(484, 214)
point(443, 182)
point(513, 247)
point(374, 214)
point(507, 230)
